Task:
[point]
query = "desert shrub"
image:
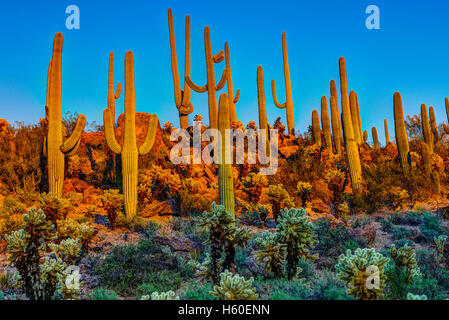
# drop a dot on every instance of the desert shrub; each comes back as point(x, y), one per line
point(234, 287)
point(54, 207)
point(169, 295)
point(279, 199)
point(195, 290)
point(352, 268)
point(397, 197)
point(103, 294)
point(165, 280)
point(11, 205)
point(336, 182)
point(304, 190)
point(113, 203)
point(252, 186)
point(402, 270)
point(184, 203)
point(282, 289)
point(297, 234)
point(327, 286)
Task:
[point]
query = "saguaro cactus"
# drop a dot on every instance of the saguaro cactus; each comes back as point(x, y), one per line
point(375, 138)
point(359, 118)
point(225, 177)
point(387, 134)
point(288, 105)
point(232, 100)
point(427, 134)
point(352, 151)
point(210, 86)
point(316, 131)
point(400, 132)
point(333, 90)
point(112, 96)
point(354, 117)
point(182, 97)
point(263, 123)
point(336, 129)
point(54, 147)
point(446, 103)
point(326, 124)
point(365, 136)
point(129, 151)
point(433, 124)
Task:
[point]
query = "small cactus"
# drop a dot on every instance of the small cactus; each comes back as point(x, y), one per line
point(234, 287)
point(375, 138)
point(387, 134)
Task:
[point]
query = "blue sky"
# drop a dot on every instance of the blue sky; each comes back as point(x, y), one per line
point(408, 54)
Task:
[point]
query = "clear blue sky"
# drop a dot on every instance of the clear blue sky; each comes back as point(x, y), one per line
point(410, 53)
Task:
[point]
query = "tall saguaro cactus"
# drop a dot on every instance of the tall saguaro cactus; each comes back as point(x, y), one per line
point(333, 91)
point(427, 134)
point(232, 100)
point(210, 86)
point(400, 132)
point(433, 124)
point(225, 177)
point(263, 122)
point(359, 119)
point(325, 123)
point(352, 151)
point(182, 97)
point(129, 151)
point(316, 131)
point(354, 116)
point(336, 129)
point(288, 105)
point(446, 103)
point(112, 96)
point(375, 138)
point(54, 147)
point(387, 134)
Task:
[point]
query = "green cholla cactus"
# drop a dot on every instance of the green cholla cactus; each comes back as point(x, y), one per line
point(68, 249)
point(304, 190)
point(352, 268)
point(169, 295)
point(52, 275)
point(271, 253)
point(224, 235)
point(402, 270)
point(234, 287)
point(70, 228)
point(253, 184)
point(440, 242)
point(411, 296)
point(297, 233)
point(279, 199)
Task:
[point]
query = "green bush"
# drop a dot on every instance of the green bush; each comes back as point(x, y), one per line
point(103, 294)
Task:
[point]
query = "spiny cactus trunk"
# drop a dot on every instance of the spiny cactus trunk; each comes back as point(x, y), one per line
point(326, 124)
point(352, 151)
point(387, 134)
point(359, 118)
point(336, 129)
point(333, 90)
point(225, 177)
point(232, 100)
point(354, 116)
point(375, 138)
point(433, 124)
point(263, 123)
point(427, 134)
point(426, 159)
point(55, 148)
point(288, 105)
point(400, 132)
point(316, 131)
point(182, 97)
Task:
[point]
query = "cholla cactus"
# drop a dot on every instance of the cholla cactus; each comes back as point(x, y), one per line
point(304, 189)
point(270, 254)
point(234, 287)
point(297, 233)
point(68, 249)
point(411, 296)
point(52, 275)
point(440, 242)
point(352, 268)
point(402, 270)
point(70, 228)
point(169, 295)
point(253, 184)
point(279, 199)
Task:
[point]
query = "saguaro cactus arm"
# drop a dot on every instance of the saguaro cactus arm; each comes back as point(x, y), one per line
point(219, 57)
point(237, 96)
point(194, 86)
point(74, 150)
point(73, 140)
point(150, 137)
point(111, 95)
point(224, 78)
point(275, 98)
point(109, 132)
